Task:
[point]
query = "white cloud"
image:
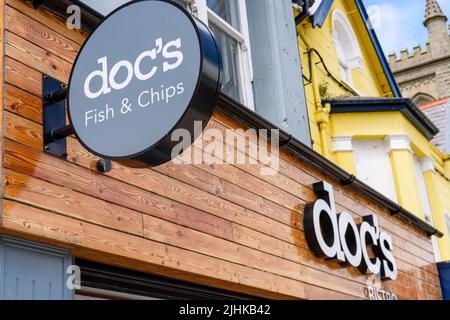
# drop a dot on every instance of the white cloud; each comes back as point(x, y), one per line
point(402, 22)
point(397, 28)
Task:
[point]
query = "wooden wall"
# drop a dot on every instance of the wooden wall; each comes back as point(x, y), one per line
point(224, 226)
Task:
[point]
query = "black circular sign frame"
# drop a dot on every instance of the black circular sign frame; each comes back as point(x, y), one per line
point(200, 107)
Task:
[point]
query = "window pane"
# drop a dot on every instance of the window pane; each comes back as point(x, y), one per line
point(229, 49)
point(227, 10)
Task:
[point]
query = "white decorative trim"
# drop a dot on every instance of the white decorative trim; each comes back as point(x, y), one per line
point(427, 164)
point(354, 58)
point(397, 142)
point(355, 62)
point(343, 143)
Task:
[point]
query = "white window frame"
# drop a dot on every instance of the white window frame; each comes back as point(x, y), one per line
point(351, 61)
point(244, 64)
point(346, 72)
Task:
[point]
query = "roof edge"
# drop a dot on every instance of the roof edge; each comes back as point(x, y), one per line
point(434, 104)
point(404, 105)
point(379, 50)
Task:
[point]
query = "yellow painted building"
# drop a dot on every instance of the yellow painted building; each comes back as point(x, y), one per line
point(359, 120)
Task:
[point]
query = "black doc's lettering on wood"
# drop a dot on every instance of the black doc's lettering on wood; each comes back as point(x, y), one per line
point(337, 236)
point(149, 69)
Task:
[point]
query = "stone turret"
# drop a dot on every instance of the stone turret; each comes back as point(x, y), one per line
point(433, 10)
point(438, 44)
point(436, 23)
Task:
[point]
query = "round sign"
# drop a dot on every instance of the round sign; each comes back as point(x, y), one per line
point(149, 69)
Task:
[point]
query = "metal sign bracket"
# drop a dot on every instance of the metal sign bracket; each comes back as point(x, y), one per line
point(54, 117)
point(56, 130)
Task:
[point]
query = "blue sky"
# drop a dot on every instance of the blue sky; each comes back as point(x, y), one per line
point(401, 22)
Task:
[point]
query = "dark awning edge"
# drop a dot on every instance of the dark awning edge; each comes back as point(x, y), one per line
point(251, 119)
point(378, 49)
point(404, 105)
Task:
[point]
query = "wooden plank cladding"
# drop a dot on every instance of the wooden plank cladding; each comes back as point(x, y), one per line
point(225, 226)
point(2, 80)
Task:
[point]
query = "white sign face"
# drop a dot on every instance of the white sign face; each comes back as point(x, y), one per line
point(338, 237)
point(149, 69)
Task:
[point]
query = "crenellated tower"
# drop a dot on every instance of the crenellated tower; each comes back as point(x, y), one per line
point(423, 73)
point(436, 23)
